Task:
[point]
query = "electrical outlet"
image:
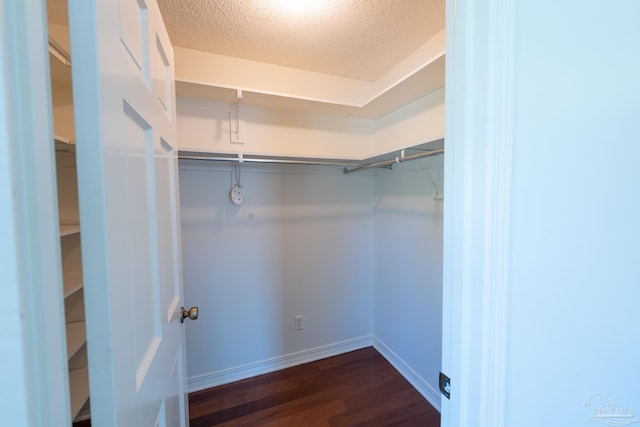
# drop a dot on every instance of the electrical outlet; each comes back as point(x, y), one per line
point(297, 322)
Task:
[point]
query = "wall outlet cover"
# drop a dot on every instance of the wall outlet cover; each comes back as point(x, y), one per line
point(298, 323)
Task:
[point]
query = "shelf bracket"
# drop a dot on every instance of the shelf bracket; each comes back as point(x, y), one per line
point(237, 124)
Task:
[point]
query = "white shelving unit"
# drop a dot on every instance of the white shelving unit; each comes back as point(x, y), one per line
point(70, 237)
point(70, 248)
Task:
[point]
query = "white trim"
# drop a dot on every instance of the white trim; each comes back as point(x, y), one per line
point(213, 379)
point(424, 388)
point(479, 123)
point(453, 314)
point(28, 208)
point(498, 212)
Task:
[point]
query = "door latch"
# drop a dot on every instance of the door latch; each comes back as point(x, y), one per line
point(445, 385)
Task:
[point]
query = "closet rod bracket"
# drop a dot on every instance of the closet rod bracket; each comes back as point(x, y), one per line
point(237, 126)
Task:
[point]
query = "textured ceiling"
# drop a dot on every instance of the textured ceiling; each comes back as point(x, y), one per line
point(359, 39)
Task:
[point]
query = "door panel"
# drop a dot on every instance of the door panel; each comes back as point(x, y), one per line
point(161, 76)
point(173, 402)
point(137, 136)
point(126, 145)
point(133, 24)
point(167, 243)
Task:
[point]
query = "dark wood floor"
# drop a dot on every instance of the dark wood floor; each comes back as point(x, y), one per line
point(354, 389)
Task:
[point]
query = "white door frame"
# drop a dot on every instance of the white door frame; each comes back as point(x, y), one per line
point(33, 354)
point(479, 137)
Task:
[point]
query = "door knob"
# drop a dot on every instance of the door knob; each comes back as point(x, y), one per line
point(192, 314)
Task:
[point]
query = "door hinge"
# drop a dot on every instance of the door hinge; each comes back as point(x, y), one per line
point(445, 385)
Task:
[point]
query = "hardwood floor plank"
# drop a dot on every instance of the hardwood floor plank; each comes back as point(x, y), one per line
point(396, 409)
point(296, 407)
point(317, 416)
point(359, 388)
point(252, 406)
point(206, 403)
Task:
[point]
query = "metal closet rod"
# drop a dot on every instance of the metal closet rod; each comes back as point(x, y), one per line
point(357, 166)
point(256, 159)
point(399, 159)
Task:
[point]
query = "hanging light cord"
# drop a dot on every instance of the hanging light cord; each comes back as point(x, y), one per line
point(238, 173)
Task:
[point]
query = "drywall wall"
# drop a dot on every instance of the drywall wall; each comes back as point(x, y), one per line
point(357, 255)
point(408, 270)
point(301, 243)
point(572, 346)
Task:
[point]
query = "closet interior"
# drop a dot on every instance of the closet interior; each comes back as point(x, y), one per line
point(68, 213)
point(318, 234)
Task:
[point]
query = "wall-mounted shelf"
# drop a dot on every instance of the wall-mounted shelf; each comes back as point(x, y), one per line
point(422, 82)
point(76, 337)
point(66, 230)
point(72, 283)
point(64, 144)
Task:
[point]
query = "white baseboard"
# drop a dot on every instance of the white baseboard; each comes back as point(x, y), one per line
point(424, 388)
point(237, 373)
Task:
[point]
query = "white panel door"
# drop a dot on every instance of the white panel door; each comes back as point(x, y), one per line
point(123, 77)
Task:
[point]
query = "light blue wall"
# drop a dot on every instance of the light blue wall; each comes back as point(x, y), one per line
point(358, 255)
point(300, 244)
point(408, 266)
point(574, 313)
